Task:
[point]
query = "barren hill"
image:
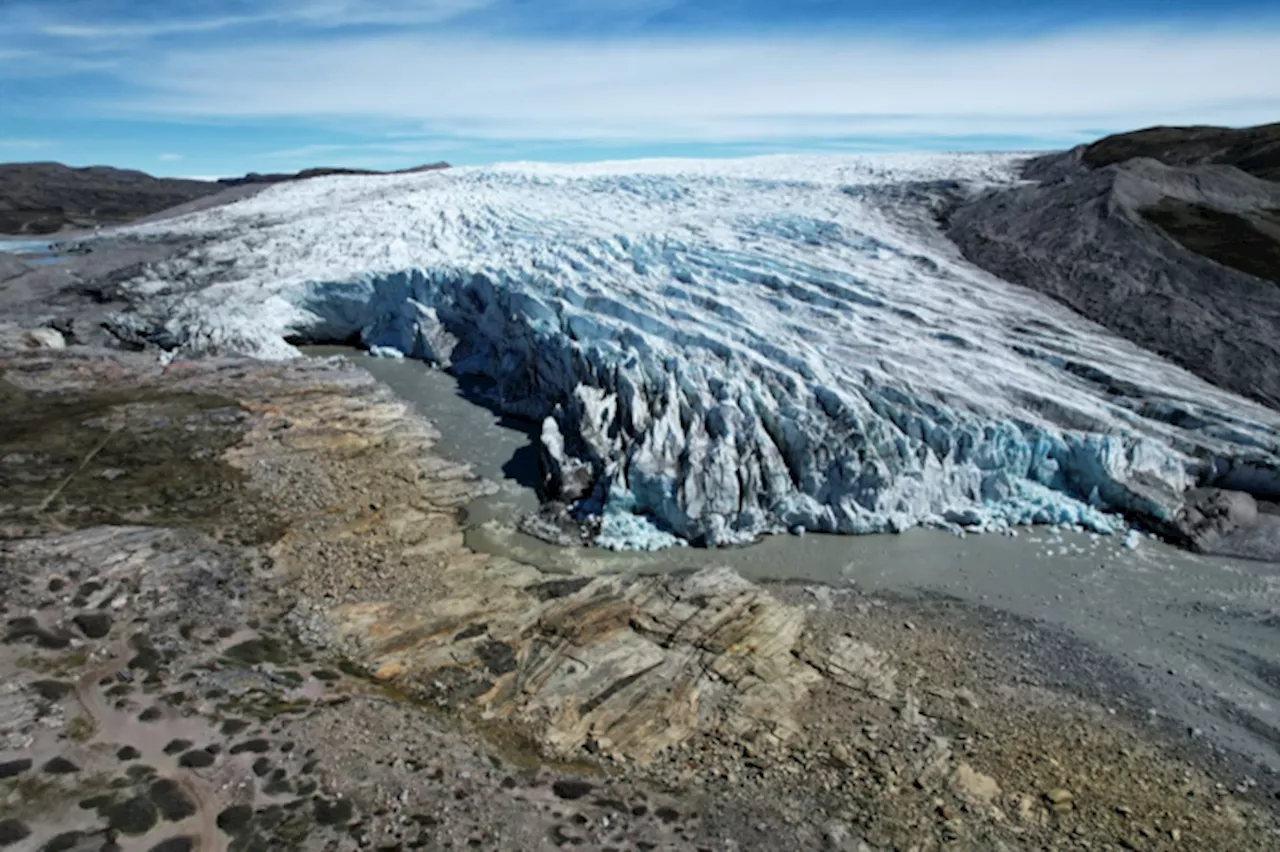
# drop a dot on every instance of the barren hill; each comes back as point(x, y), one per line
point(46, 198)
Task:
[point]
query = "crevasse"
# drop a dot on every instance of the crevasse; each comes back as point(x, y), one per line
point(719, 350)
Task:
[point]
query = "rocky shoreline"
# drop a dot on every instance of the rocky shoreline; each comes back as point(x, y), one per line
point(240, 615)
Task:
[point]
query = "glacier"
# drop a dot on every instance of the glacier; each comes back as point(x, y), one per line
point(722, 349)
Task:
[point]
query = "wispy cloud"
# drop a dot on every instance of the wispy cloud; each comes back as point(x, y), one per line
point(18, 143)
point(109, 30)
point(724, 89)
point(395, 81)
point(114, 19)
point(170, 158)
point(336, 13)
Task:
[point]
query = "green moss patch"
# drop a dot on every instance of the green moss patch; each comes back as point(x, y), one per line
point(1224, 237)
point(264, 649)
point(135, 816)
point(125, 456)
point(173, 804)
point(235, 819)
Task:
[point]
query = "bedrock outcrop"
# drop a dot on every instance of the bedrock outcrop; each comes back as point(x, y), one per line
point(239, 607)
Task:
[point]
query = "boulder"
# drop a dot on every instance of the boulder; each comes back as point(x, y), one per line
point(44, 338)
point(1222, 522)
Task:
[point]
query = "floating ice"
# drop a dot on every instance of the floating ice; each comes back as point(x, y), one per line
point(723, 349)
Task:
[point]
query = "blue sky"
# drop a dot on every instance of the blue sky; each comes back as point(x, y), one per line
point(218, 87)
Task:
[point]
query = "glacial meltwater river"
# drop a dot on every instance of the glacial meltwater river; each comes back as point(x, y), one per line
point(26, 246)
point(1199, 635)
point(42, 252)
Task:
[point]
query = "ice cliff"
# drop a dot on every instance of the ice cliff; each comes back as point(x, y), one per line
point(721, 349)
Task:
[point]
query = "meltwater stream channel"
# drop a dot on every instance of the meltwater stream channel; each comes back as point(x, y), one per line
point(1199, 635)
point(33, 252)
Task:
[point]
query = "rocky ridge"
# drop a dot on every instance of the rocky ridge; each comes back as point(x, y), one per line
point(1255, 150)
point(47, 198)
point(1180, 254)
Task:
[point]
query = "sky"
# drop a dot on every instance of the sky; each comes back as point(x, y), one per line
point(221, 87)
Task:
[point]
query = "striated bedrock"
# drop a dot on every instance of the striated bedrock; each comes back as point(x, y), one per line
point(722, 349)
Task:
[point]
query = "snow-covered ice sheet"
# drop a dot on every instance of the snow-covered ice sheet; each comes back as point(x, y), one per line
point(724, 348)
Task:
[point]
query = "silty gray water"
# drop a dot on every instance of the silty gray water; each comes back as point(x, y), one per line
point(35, 252)
point(25, 246)
point(1199, 635)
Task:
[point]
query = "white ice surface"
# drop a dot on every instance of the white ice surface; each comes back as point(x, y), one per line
point(734, 346)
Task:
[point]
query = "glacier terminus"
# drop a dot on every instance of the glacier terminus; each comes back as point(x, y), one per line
point(717, 350)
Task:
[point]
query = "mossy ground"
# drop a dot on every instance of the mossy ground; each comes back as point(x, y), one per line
point(127, 456)
point(1250, 246)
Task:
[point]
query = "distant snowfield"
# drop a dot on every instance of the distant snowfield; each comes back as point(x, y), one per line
point(725, 348)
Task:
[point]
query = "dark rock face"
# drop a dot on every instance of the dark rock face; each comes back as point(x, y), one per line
point(256, 178)
point(1228, 523)
point(1183, 261)
point(1255, 150)
point(44, 198)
